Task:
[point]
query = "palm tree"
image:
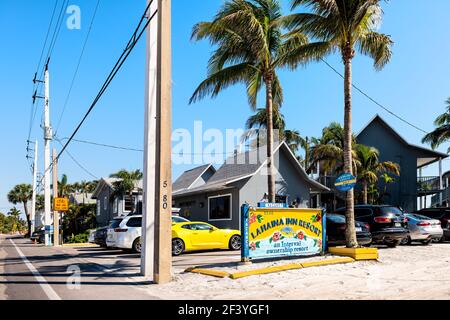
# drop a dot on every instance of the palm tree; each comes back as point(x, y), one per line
point(442, 133)
point(84, 189)
point(64, 188)
point(14, 213)
point(258, 121)
point(22, 193)
point(250, 50)
point(343, 25)
point(329, 149)
point(126, 184)
point(370, 167)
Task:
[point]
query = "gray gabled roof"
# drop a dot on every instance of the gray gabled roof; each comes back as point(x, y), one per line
point(428, 155)
point(245, 165)
point(188, 178)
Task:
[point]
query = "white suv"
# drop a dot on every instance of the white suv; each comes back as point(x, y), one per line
point(125, 233)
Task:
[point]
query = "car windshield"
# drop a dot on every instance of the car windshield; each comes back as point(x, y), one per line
point(115, 223)
point(391, 210)
point(176, 219)
point(337, 218)
point(418, 217)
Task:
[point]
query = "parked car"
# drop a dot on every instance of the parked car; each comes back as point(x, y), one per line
point(336, 231)
point(423, 229)
point(441, 214)
point(194, 236)
point(100, 236)
point(388, 225)
point(38, 235)
point(91, 237)
point(111, 231)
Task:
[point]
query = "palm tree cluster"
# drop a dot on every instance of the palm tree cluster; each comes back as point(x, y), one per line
point(442, 132)
point(254, 40)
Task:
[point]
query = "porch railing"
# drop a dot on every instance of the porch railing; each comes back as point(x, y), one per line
point(426, 184)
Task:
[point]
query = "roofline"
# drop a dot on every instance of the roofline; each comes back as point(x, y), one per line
point(437, 153)
point(204, 171)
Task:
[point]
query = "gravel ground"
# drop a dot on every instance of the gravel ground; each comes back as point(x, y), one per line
point(406, 272)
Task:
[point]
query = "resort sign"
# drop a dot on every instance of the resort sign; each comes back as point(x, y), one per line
point(345, 182)
point(282, 232)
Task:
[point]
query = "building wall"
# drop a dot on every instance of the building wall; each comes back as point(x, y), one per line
point(195, 208)
point(403, 192)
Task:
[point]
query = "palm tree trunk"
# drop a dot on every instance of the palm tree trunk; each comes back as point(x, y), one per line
point(25, 207)
point(350, 234)
point(269, 111)
point(365, 200)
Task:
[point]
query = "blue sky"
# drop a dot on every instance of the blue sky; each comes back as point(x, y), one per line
point(414, 85)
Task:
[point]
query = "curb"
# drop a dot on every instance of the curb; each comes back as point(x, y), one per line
point(209, 272)
point(274, 269)
point(79, 245)
point(356, 253)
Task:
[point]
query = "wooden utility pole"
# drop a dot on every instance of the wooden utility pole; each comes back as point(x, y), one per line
point(55, 195)
point(156, 260)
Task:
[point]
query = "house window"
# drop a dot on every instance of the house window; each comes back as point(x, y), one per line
point(115, 205)
point(99, 207)
point(105, 203)
point(219, 208)
point(128, 203)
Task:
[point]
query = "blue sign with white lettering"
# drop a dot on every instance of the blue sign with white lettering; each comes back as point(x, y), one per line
point(345, 182)
point(272, 205)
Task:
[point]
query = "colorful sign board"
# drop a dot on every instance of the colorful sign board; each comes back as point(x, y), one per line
point(282, 232)
point(61, 204)
point(345, 182)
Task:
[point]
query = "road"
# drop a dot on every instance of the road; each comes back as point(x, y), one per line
point(29, 271)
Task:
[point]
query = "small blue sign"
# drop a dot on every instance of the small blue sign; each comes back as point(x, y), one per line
point(345, 182)
point(272, 205)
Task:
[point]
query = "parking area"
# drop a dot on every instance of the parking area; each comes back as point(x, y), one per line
point(406, 272)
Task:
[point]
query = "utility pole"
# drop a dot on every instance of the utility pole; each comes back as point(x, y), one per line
point(33, 198)
point(55, 195)
point(156, 260)
point(47, 139)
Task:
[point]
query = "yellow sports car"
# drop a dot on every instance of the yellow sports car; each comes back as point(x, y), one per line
point(193, 236)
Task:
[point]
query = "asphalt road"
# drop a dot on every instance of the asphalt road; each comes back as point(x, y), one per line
point(29, 271)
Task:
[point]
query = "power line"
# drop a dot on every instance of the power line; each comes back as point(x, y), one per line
point(77, 162)
point(125, 54)
point(136, 36)
point(105, 145)
point(78, 66)
point(374, 101)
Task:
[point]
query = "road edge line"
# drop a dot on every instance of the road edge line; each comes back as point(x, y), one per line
point(48, 290)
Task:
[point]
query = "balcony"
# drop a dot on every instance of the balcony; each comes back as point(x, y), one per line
point(428, 185)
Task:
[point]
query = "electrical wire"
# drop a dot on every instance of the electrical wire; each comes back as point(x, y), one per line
point(78, 66)
point(136, 36)
point(77, 162)
point(375, 101)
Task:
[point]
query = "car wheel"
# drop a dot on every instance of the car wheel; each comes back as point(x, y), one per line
point(137, 245)
point(393, 244)
point(408, 240)
point(235, 242)
point(177, 247)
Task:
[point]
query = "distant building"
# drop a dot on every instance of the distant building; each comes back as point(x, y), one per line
point(216, 196)
point(81, 198)
point(410, 185)
point(109, 208)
